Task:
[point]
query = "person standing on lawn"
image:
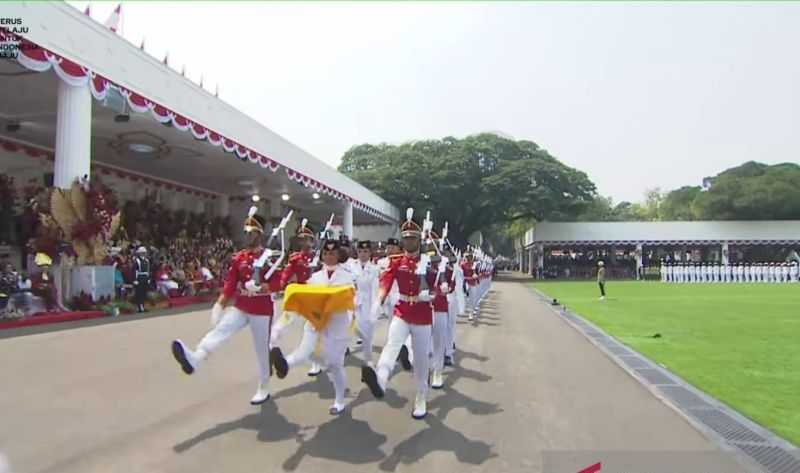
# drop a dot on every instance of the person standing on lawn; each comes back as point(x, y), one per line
point(601, 279)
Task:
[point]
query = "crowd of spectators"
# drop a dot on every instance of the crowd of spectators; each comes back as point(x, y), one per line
point(185, 267)
point(584, 266)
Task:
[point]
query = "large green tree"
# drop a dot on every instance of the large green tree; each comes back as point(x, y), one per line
point(475, 183)
point(752, 191)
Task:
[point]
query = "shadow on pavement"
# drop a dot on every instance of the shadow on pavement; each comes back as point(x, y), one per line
point(341, 439)
point(268, 422)
point(437, 437)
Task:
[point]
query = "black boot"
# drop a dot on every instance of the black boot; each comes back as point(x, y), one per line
point(402, 357)
point(279, 362)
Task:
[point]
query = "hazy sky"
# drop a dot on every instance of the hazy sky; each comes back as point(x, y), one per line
point(635, 95)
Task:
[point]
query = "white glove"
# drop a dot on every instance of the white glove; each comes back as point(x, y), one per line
point(216, 314)
point(424, 296)
point(444, 287)
point(265, 256)
point(251, 287)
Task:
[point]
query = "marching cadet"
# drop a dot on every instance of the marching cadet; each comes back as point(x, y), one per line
point(717, 273)
point(249, 308)
point(773, 273)
point(452, 308)
point(335, 335)
point(412, 315)
point(662, 270)
point(471, 280)
point(739, 272)
point(297, 270)
point(366, 274)
point(794, 271)
point(141, 278)
point(728, 272)
point(392, 250)
point(785, 272)
point(442, 288)
point(747, 273)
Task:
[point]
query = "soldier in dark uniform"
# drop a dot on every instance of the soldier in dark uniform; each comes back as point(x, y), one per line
point(141, 277)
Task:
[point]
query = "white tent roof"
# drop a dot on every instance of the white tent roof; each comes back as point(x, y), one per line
point(699, 232)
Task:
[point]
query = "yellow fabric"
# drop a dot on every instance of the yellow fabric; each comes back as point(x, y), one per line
point(317, 303)
point(43, 260)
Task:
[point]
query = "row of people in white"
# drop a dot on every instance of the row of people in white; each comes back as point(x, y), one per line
point(783, 272)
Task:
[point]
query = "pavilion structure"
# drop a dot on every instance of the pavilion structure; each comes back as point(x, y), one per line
point(572, 249)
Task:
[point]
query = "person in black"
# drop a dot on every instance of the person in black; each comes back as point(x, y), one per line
point(141, 277)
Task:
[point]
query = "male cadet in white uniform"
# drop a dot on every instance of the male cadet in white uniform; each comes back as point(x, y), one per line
point(773, 273)
point(785, 272)
point(794, 271)
point(366, 276)
point(728, 272)
point(662, 269)
point(717, 272)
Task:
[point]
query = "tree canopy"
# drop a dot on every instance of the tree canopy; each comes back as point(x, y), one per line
point(475, 183)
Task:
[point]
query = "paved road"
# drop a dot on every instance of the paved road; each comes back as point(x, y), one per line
point(109, 398)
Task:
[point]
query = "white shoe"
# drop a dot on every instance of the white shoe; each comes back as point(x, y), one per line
point(420, 407)
point(438, 381)
point(336, 409)
point(315, 369)
point(185, 357)
point(262, 394)
point(602, 298)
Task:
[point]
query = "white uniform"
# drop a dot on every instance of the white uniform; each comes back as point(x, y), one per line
point(335, 336)
point(794, 272)
point(663, 271)
point(366, 281)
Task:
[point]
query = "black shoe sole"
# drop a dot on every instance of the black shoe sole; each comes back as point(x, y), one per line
point(314, 374)
point(403, 357)
point(370, 378)
point(448, 361)
point(180, 357)
point(419, 417)
point(279, 362)
point(262, 402)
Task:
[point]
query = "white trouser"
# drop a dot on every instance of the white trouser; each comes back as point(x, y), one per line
point(283, 321)
point(439, 338)
point(366, 328)
point(452, 316)
point(335, 337)
point(472, 299)
point(399, 330)
point(234, 320)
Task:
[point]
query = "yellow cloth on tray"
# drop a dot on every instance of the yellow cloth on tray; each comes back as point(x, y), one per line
point(317, 303)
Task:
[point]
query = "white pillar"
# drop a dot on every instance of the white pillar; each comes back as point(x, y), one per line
point(639, 251)
point(540, 257)
point(73, 134)
point(224, 206)
point(347, 226)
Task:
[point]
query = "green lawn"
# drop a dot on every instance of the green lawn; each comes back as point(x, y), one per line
point(738, 342)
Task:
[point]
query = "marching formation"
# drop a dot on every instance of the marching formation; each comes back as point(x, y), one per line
point(421, 282)
point(783, 272)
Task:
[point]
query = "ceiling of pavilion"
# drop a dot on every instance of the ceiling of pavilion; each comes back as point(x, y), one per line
point(29, 98)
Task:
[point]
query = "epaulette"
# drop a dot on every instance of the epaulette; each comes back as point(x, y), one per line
point(395, 256)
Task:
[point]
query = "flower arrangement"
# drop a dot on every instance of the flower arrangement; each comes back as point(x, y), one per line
point(87, 217)
point(84, 302)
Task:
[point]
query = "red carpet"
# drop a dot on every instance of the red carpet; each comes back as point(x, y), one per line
point(51, 318)
point(190, 300)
